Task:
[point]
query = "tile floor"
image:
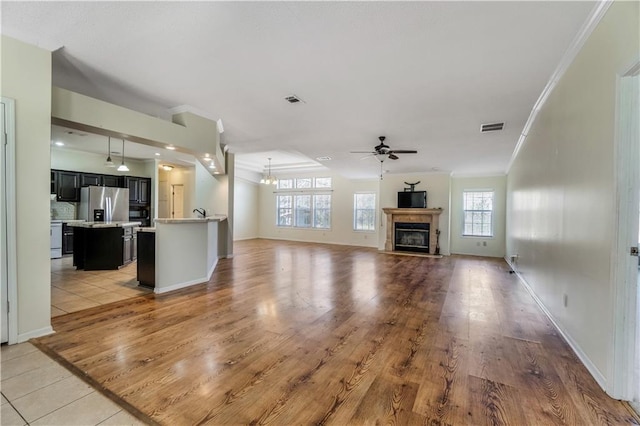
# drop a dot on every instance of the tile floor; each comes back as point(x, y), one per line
point(38, 391)
point(73, 290)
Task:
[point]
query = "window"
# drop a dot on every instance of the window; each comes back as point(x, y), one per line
point(285, 183)
point(364, 211)
point(304, 203)
point(478, 213)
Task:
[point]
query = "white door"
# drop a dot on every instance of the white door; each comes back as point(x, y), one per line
point(4, 277)
point(625, 368)
point(177, 204)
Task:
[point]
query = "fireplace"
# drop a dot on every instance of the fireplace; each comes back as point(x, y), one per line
point(412, 237)
point(415, 233)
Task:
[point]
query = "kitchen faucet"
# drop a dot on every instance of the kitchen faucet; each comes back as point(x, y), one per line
point(203, 212)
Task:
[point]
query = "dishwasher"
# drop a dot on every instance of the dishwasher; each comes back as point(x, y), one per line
point(56, 240)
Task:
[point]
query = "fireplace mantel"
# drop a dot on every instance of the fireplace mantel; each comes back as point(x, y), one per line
point(394, 215)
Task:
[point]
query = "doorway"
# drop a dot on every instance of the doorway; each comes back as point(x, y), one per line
point(177, 201)
point(8, 317)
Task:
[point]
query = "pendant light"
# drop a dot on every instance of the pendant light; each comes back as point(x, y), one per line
point(109, 163)
point(269, 180)
point(123, 167)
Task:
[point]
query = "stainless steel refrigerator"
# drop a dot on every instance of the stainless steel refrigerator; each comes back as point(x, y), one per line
point(104, 204)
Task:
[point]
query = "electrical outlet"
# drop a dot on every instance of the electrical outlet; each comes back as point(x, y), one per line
point(484, 243)
point(565, 300)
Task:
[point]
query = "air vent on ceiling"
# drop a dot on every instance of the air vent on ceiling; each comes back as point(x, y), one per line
point(491, 127)
point(73, 132)
point(293, 99)
point(326, 158)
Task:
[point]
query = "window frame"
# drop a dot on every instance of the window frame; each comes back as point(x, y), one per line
point(313, 192)
point(374, 209)
point(491, 211)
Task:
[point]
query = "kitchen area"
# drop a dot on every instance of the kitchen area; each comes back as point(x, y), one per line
point(94, 222)
point(123, 190)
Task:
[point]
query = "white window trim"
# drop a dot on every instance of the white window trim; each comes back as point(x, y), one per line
point(493, 218)
point(309, 191)
point(375, 214)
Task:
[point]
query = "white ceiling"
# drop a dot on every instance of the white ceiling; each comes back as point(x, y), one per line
point(424, 74)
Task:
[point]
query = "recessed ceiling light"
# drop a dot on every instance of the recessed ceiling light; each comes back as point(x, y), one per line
point(207, 159)
point(157, 153)
point(60, 143)
point(325, 158)
point(167, 167)
point(171, 148)
point(212, 166)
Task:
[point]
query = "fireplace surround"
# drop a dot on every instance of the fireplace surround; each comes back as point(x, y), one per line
point(423, 217)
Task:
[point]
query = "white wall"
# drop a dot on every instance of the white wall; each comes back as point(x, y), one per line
point(437, 186)
point(184, 176)
point(560, 190)
point(78, 161)
point(211, 192)
point(246, 200)
point(26, 77)
point(341, 231)
point(495, 246)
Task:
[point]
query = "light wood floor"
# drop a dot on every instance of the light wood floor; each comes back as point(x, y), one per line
point(292, 333)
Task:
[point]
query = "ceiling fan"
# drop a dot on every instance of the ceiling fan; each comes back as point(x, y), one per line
point(383, 151)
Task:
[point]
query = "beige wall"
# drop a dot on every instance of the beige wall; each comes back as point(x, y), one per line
point(495, 246)
point(560, 190)
point(184, 176)
point(341, 231)
point(245, 224)
point(26, 77)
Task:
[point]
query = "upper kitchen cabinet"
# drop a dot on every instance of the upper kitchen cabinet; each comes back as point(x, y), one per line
point(139, 190)
point(112, 181)
point(67, 186)
point(90, 179)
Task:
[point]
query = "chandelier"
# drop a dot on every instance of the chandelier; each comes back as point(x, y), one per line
point(269, 180)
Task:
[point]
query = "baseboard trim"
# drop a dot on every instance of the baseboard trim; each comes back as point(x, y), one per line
point(44, 331)
point(586, 361)
point(316, 242)
point(178, 286)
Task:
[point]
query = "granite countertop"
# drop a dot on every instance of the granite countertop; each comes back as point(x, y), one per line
point(214, 218)
point(66, 220)
point(105, 224)
point(146, 229)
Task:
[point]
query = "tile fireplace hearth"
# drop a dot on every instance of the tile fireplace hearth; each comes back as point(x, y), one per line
point(411, 230)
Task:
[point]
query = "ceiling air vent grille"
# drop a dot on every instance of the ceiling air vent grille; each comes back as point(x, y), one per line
point(491, 127)
point(293, 99)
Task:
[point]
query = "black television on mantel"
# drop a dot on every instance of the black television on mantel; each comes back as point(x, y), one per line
point(412, 200)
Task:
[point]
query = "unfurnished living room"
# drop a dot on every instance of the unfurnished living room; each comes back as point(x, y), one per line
point(334, 213)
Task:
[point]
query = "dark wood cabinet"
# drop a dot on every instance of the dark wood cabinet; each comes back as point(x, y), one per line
point(54, 183)
point(146, 259)
point(144, 191)
point(112, 181)
point(68, 186)
point(90, 179)
point(139, 190)
point(67, 239)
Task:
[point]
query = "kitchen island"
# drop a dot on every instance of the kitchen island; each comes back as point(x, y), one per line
point(186, 251)
point(103, 245)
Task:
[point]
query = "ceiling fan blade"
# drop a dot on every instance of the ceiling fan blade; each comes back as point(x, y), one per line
point(393, 157)
point(403, 151)
point(362, 152)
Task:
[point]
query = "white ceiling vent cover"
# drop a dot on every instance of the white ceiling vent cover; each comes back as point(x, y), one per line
point(491, 127)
